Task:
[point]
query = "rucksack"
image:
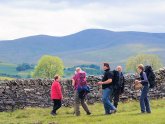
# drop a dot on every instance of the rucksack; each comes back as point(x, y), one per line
point(83, 89)
point(150, 75)
point(82, 79)
point(118, 84)
point(115, 79)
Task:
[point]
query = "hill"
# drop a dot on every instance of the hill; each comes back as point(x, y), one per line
point(91, 46)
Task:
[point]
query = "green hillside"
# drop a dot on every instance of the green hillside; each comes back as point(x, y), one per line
point(6, 78)
point(114, 54)
point(8, 68)
point(8, 71)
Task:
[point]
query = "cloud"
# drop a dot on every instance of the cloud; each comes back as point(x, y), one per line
point(58, 18)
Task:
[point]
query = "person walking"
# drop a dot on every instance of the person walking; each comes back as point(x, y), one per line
point(144, 101)
point(118, 86)
point(107, 89)
point(56, 94)
point(79, 80)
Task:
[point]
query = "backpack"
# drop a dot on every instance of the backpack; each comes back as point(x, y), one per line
point(115, 79)
point(150, 75)
point(82, 79)
point(83, 89)
point(118, 84)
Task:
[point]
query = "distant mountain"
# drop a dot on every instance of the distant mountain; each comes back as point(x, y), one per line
point(85, 47)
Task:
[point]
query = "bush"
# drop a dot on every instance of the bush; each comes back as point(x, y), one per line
point(48, 66)
point(146, 59)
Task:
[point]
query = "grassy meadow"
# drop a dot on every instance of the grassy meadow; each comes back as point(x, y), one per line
point(10, 70)
point(6, 78)
point(128, 113)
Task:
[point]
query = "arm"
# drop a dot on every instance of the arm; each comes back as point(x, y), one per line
point(73, 82)
point(58, 90)
point(109, 75)
point(107, 81)
point(145, 78)
point(122, 81)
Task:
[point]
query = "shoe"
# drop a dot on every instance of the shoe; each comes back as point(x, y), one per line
point(148, 112)
point(113, 111)
point(52, 113)
point(108, 113)
point(88, 113)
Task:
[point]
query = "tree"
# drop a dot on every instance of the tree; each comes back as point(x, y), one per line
point(145, 59)
point(48, 66)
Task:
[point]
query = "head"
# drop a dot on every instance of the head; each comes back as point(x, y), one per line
point(78, 69)
point(106, 66)
point(57, 78)
point(119, 69)
point(140, 68)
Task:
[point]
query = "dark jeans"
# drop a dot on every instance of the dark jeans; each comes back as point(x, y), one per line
point(116, 96)
point(144, 101)
point(106, 100)
point(56, 106)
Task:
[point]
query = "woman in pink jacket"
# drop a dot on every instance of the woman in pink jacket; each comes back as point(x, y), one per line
point(56, 94)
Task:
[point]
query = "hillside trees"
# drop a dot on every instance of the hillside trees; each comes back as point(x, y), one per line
point(24, 67)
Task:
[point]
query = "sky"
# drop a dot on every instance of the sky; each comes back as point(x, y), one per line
point(21, 18)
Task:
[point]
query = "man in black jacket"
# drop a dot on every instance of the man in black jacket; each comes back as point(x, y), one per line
point(107, 88)
point(118, 86)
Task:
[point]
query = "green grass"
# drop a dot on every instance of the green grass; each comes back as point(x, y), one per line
point(6, 78)
point(10, 69)
point(128, 113)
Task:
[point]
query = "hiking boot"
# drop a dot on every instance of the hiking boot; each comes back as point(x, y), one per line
point(52, 113)
point(113, 111)
point(88, 113)
point(108, 113)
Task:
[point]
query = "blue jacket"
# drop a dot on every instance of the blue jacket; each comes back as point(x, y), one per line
point(143, 78)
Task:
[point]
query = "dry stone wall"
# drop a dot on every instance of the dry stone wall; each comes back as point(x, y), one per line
point(22, 93)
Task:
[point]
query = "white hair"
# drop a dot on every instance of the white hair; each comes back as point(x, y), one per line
point(78, 69)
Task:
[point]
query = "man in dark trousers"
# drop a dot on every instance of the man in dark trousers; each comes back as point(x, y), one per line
point(119, 86)
point(107, 89)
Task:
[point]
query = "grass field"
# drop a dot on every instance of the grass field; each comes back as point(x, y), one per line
point(128, 113)
point(10, 69)
point(6, 78)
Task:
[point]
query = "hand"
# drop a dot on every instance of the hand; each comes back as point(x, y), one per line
point(100, 83)
point(136, 81)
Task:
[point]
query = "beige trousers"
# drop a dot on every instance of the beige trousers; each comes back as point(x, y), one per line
point(77, 101)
